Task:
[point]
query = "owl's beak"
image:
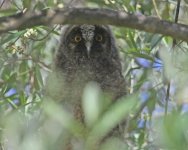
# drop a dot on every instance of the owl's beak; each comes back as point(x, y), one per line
point(88, 47)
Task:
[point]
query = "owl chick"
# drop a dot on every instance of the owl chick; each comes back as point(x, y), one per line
point(86, 53)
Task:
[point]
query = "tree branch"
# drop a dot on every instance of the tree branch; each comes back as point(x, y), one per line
point(94, 16)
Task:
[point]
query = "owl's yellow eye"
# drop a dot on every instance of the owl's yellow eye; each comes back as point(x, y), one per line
point(99, 38)
point(77, 38)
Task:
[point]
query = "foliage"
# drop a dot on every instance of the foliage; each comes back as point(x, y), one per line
point(154, 66)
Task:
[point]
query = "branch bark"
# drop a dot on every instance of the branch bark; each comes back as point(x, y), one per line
point(94, 16)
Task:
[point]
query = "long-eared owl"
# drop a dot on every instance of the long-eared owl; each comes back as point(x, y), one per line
point(87, 53)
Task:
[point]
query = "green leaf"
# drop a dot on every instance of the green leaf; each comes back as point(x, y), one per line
point(38, 81)
point(27, 3)
point(7, 12)
point(23, 70)
point(115, 114)
point(11, 37)
point(12, 78)
point(141, 55)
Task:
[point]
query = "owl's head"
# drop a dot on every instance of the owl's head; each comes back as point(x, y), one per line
point(87, 41)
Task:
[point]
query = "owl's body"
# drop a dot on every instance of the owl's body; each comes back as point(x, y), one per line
point(87, 53)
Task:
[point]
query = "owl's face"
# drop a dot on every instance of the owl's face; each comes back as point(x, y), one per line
point(87, 41)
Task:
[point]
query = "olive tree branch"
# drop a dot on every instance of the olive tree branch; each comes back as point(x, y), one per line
point(94, 16)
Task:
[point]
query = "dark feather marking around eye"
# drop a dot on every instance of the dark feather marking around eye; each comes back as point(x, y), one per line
point(75, 36)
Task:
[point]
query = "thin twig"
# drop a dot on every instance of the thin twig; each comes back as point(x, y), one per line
point(177, 11)
point(2, 3)
point(45, 36)
point(156, 9)
point(176, 18)
point(167, 98)
point(40, 63)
